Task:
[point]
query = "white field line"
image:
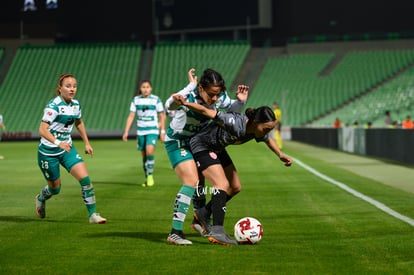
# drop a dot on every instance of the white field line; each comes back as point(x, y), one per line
point(357, 194)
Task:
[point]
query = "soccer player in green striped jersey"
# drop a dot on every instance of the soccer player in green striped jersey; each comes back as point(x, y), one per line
point(150, 117)
point(56, 148)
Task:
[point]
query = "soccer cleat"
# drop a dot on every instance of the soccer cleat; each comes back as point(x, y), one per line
point(96, 218)
point(197, 227)
point(150, 180)
point(178, 239)
point(40, 207)
point(218, 235)
point(203, 220)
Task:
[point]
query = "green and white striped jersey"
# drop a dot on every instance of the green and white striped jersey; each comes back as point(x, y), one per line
point(60, 116)
point(184, 122)
point(146, 110)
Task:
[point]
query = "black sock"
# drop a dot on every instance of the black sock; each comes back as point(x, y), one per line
point(218, 206)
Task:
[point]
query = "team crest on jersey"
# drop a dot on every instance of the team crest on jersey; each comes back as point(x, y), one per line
point(49, 113)
point(213, 155)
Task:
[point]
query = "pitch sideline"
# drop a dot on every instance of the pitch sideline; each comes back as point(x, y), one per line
point(357, 194)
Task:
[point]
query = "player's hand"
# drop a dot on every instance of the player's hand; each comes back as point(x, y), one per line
point(65, 146)
point(89, 150)
point(125, 137)
point(162, 137)
point(178, 99)
point(242, 93)
point(191, 76)
point(286, 160)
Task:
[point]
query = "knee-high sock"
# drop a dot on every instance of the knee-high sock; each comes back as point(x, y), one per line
point(149, 165)
point(218, 206)
point(208, 205)
point(181, 205)
point(47, 192)
point(88, 194)
point(199, 198)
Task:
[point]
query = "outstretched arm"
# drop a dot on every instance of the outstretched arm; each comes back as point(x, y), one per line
point(198, 108)
point(271, 144)
point(241, 94)
point(170, 103)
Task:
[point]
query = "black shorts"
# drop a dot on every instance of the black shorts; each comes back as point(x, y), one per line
point(205, 159)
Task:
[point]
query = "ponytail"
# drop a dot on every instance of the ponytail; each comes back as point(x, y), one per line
point(262, 114)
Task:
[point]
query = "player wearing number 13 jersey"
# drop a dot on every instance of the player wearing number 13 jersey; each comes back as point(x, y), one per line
point(56, 148)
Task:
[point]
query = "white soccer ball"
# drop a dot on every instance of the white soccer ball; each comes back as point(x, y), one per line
point(248, 230)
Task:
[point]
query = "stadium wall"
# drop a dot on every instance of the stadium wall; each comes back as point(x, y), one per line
point(390, 144)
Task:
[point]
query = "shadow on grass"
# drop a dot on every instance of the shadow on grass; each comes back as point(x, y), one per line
point(116, 183)
point(156, 237)
point(21, 219)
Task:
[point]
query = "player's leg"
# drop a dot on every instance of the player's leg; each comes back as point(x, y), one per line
point(51, 172)
point(141, 144)
point(186, 170)
point(75, 165)
point(232, 177)
point(278, 137)
point(215, 174)
point(151, 142)
point(211, 167)
point(199, 201)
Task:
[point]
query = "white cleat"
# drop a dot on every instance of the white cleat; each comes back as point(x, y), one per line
point(96, 218)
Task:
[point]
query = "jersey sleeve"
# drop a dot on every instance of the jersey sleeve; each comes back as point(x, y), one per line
point(132, 107)
point(80, 111)
point(159, 106)
point(230, 105)
point(169, 103)
point(232, 122)
point(50, 113)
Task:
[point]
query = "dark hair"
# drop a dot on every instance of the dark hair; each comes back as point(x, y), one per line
point(262, 114)
point(60, 81)
point(140, 84)
point(211, 77)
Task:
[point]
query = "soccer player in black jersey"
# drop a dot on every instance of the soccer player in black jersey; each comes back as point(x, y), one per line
point(208, 148)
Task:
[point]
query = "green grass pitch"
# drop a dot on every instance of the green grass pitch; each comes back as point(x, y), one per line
point(310, 226)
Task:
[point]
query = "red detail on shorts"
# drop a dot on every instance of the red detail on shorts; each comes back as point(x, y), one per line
point(213, 155)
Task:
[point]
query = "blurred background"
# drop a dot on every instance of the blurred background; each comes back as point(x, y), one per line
point(342, 72)
point(146, 21)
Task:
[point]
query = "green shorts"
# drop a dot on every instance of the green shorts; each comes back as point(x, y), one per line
point(178, 151)
point(49, 165)
point(144, 141)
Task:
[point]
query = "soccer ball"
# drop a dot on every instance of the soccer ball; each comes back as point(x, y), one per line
point(248, 231)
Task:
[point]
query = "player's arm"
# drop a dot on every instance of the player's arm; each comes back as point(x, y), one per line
point(242, 93)
point(271, 144)
point(161, 119)
point(198, 108)
point(170, 103)
point(128, 125)
point(80, 126)
point(45, 133)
